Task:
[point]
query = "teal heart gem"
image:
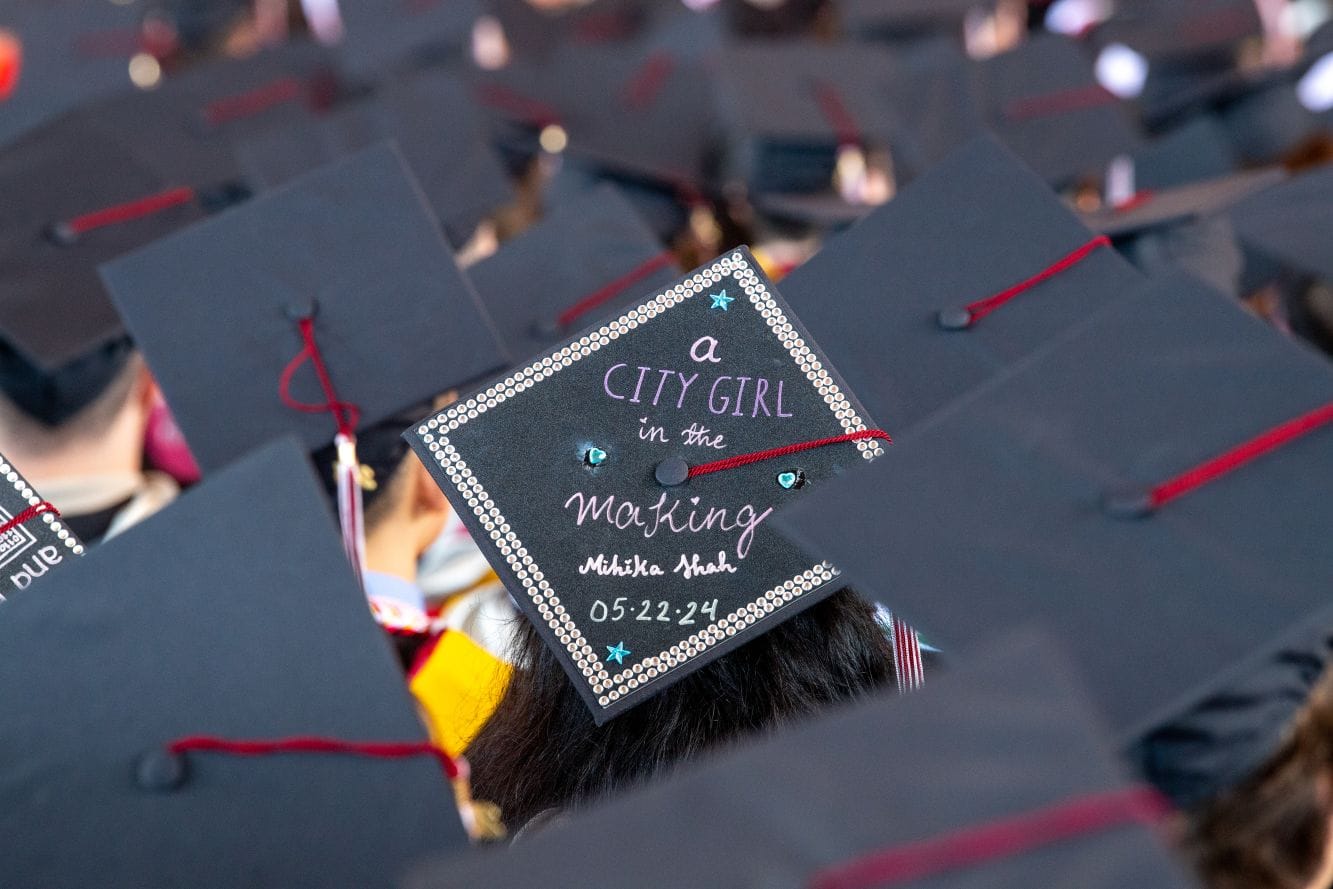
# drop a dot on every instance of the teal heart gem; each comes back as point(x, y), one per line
point(594, 456)
point(791, 479)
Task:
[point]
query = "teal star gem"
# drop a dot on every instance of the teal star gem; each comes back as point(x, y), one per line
point(617, 653)
point(721, 300)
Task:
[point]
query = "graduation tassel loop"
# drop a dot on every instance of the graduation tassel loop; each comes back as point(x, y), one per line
point(784, 451)
point(346, 415)
point(166, 769)
point(28, 515)
point(997, 840)
point(1138, 504)
point(970, 314)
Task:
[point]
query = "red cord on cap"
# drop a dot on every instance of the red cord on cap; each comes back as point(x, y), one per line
point(28, 515)
point(974, 312)
point(759, 456)
point(1060, 102)
point(345, 414)
point(126, 212)
point(529, 110)
point(1136, 200)
point(648, 80)
point(836, 113)
point(371, 749)
point(614, 288)
point(996, 840)
point(255, 101)
point(1240, 455)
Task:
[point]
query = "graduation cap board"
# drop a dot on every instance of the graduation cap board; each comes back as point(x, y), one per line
point(232, 616)
point(591, 479)
point(586, 260)
point(980, 230)
point(1112, 487)
point(353, 252)
point(1153, 209)
point(962, 784)
point(33, 539)
point(74, 198)
point(433, 121)
point(1292, 222)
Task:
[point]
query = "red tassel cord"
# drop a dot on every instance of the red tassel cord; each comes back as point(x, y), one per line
point(71, 230)
point(973, 312)
point(28, 515)
point(786, 450)
point(613, 289)
point(996, 840)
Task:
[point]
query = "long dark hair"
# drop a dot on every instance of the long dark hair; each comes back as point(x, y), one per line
point(541, 751)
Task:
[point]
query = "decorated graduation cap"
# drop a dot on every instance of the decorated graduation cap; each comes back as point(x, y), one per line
point(972, 267)
point(620, 484)
point(322, 309)
point(587, 260)
point(430, 116)
point(996, 776)
point(57, 54)
point(33, 539)
point(218, 674)
point(74, 198)
point(802, 113)
point(1152, 486)
point(380, 37)
point(1043, 100)
point(1291, 222)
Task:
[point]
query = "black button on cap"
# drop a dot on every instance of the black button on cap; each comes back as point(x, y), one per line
point(1128, 504)
point(671, 472)
point(160, 770)
point(953, 319)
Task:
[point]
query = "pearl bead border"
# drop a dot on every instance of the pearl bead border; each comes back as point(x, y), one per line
point(29, 496)
point(434, 433)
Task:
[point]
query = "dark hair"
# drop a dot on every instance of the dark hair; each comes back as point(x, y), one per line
point(541, 751)
point(1272, 831)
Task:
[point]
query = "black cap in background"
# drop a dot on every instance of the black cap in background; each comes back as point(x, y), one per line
point(895, 792)
point(354, 248)
point(233, 614)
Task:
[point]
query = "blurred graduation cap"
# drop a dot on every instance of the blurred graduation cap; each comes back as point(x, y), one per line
point(1043, 100)
point(1195, 151)
point(1288, 108)
point(585, 261)
point(57, 54)
point(74, 199)
point(188, 646)
point(899, 20)
point(1292, 222)
point(386, 37)
point(600, 477)
point(1152, 486)
point(966, 783)
point(432, 119)
point(33, 539)
point(1186, 227)
point(979, 234)
point(932, 98)
point(184, 127)
point(812, 128)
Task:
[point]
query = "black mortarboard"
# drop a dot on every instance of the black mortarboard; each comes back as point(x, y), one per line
point(430, 115)
point(590, 479)
point(353, 251)
point(384, 37)
point(230, 615)
point(1043, 101)
point(885, 294)
point(1192, 152)
point(792, 105)
point(898, 19)
point(1151, 209)
point(587, 260)
point(184, 127)
point(933, 100)
point(961, 784)
point(74, 198)
point(1292, 222)
point(664, 209)
point(33, 539)
point(1088, 488)
point(61, 53)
